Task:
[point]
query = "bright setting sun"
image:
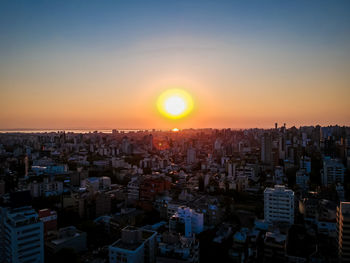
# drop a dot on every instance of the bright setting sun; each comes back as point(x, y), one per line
point(175, 103)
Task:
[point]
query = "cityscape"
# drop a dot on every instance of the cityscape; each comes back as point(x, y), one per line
point(174, 131)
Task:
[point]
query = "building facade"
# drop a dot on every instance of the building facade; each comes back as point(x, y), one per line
point(279, 204)
point(135, 246)
point(333, 172)
point(343, 231)
point(21, 235)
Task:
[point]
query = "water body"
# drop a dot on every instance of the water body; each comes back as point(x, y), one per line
point(68, 130)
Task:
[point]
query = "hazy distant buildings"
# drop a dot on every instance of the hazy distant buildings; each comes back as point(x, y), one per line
point(279, 204)
point(231, 169)
point(266, 149)
point(191, 155)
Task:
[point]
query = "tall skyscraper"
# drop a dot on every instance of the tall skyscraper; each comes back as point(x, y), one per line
point(266, 149)
point(343, 231)
point(279, 204)
point(21, 235)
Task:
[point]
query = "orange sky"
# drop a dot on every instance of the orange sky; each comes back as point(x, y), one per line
point(240, 74)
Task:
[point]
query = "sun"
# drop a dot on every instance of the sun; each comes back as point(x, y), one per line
point(175, 103)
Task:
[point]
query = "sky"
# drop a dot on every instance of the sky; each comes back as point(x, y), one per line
point(102, 64)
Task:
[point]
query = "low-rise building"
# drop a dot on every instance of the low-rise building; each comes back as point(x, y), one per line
point(177, 248)
point(135, 246)
point(68, 237)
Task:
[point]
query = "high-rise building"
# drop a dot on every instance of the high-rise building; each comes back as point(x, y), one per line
point(135, 246)
point(266, 149)
point(343, 231)
point(279, 204)
point(333, 172)
point(21, 235)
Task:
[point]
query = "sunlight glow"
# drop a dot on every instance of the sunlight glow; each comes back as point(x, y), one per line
point(175, 103)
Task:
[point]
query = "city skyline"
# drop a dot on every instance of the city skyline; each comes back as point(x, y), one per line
point(102, 65)
point(192, 131)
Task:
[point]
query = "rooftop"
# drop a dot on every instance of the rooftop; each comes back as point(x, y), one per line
point(136, 238)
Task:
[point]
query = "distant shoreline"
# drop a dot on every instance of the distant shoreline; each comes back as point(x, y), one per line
point(67, 130)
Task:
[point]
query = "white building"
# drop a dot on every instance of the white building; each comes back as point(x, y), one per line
point(192, 220)
point(279, 204)
point(21, 235)
point(135, 246)
point(333, 172)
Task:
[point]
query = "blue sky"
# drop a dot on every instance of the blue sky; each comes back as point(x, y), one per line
point(248, 51)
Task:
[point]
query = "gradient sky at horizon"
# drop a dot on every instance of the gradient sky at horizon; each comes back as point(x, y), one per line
point(102, 64)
